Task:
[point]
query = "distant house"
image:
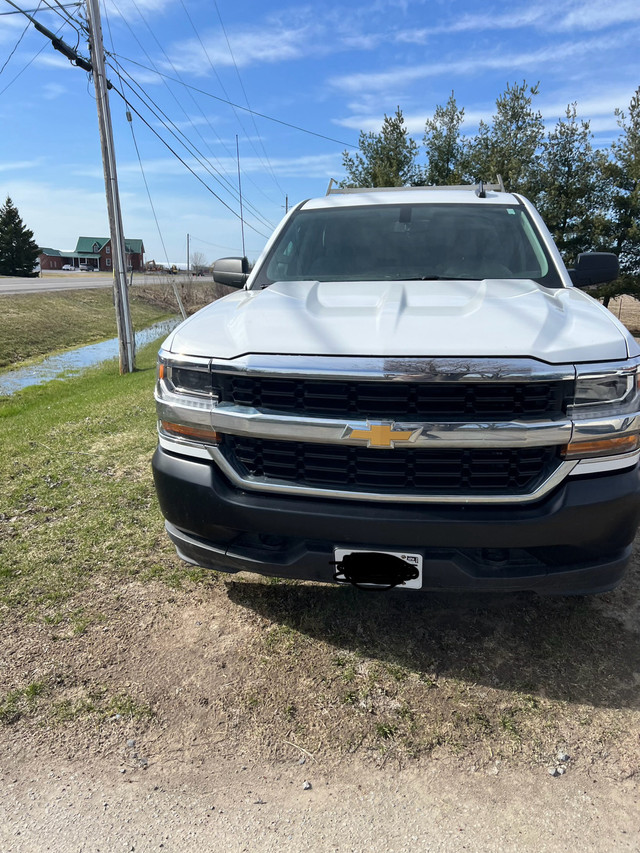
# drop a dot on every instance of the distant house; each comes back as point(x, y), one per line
point(96, 251)
point(92, 252)
point(51, 259)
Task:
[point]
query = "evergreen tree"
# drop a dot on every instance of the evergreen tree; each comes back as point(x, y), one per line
point(625, 172)
point(385, 159)
point(619, 226)
point(18, 251)
point(509, 146)
point(571, 187)
point(443, 146)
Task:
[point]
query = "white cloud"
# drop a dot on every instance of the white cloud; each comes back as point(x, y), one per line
point(17, 165)
point(294, 32)
point(50, 91)
point(596, 15)
point(577, 15)
point(552, 55)
point(127, 8)
point(482, 22)
point(10, 28)
point(397, 77)
point(52, 60)
point(276, 43)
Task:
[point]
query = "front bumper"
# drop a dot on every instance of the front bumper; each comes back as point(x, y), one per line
point(576, 540)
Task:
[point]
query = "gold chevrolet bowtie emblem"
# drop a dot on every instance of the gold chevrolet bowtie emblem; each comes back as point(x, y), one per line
point(381, 435)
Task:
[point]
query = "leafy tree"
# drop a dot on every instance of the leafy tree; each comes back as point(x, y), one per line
point(509, 146)
point(18, 251)
point(385, 159)
point(571, 186)
point(443, 146)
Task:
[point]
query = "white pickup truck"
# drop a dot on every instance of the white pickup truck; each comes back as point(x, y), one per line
point(409, 390)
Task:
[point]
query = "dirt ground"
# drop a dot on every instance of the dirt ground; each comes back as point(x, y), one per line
point(89, 776)
point(79, 804)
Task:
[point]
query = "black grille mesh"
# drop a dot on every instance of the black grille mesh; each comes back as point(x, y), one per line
point(395, 399)
point(351, 468)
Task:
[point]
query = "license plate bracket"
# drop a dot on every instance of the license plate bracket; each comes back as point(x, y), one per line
point(361, 566)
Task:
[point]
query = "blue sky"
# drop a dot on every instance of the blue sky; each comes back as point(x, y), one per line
point(333, 68)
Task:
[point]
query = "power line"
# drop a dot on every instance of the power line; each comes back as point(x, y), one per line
point(178, 102)
point(17, 44)
point(188, 145)
point(206, 53)
point(220, 171)
point(217, 245)
point(238, 106)
point(185, 164)
point(135, 145)
point(72, 54)
point(62, 13)
point(30, 62)
point(244, 92)
point(173, 95)
point(33, 11)
point(59, 45)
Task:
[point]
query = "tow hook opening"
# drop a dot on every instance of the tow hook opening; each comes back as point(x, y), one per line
point(371, 570)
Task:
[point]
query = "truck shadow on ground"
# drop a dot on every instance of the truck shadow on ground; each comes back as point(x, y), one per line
point(571, 649)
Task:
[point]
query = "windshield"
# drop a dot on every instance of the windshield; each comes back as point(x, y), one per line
point(409, 241)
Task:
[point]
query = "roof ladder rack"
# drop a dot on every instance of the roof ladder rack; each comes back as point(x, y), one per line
point(481, 189)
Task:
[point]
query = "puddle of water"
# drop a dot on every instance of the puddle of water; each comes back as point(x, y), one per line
point(74, 361)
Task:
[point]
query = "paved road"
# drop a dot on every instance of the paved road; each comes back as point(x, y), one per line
point(54, 280)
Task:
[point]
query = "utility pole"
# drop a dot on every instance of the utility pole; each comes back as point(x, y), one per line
point(240, 192)
point(118, 254)
point(188, 253)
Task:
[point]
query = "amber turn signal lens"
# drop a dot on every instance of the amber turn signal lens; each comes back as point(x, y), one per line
point(196, 433)
point(601, 447)
point(162, 370)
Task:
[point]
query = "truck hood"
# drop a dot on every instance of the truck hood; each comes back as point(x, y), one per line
point(497, 318)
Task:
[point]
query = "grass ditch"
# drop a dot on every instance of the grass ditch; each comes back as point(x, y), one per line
point(77, 493)
point(38, 324)
point(97, 613)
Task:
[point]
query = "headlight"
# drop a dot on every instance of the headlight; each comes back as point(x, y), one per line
point(186, 378)
point(605, 389)
point(185, 399)
point(605, 411)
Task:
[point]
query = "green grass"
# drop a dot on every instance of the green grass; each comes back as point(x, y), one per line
point(33, 325)
point(16, 703)
point(77, 493)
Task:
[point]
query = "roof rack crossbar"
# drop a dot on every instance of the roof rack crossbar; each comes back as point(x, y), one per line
point(481, 189)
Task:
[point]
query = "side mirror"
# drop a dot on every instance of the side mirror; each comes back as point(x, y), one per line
point(231, 271)
point(595, 268)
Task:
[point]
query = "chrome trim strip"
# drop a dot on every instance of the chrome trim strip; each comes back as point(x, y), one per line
point(239, 420)
point(606, 463)
point(185, 409)
point(183, 447)
point(396, 369)
point(198, 362)
point(598, 369)
point(614, 426)
point(256, 484)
